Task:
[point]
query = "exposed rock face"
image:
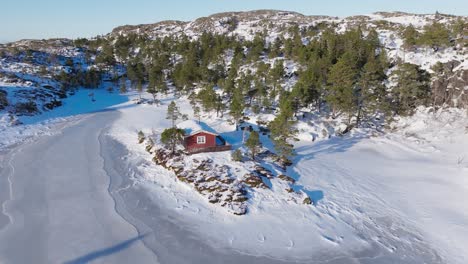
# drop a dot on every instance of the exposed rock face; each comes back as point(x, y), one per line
point(26, 108)
point(254, 181)
point(3, 99)
point(286, 178)
point(450, 86)
point(261, 171)
point(457, 89)
point(222, 184)
point(211, 180)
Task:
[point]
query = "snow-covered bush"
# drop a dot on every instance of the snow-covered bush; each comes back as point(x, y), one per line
point(236, 155)
point(141, 137)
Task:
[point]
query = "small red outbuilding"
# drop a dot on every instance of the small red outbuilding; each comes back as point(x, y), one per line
point(204, 141)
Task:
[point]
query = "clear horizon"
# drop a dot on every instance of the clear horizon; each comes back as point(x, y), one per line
point(30, 19)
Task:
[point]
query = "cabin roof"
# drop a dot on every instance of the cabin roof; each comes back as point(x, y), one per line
point(192, 127)
point(202, 131)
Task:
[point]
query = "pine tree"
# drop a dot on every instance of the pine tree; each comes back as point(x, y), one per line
point(123, 86)
point(275, 75)
point(220, 107)
point(371, 93)
point(173, 113)
point(196, 112)
point(152, 90)
point(284, 148)
point(275, 48)
point(410, 36)
point(171, 137)
point(208, 98)
point(460, 28)
point(282, 130)
point(237, 106)
point(436, 35)
point(155, 75)
point(257, 47)
point(236, 155)
point(139, 88)
point(281, 133)
point(342, 80)
point(106, 56)
point(412, 88)
point(308, 90)
point(253, 143)
point(373, 41)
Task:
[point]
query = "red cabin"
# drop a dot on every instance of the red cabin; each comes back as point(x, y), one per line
point(204, 141)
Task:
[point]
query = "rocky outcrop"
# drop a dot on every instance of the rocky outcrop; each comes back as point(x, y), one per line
point(3, 99)
point(217, 183)
point(211, 180)
point(254, 181)
point(457, 89)
point(261, 171)
point(450, 86)
point(307, 200)
point(286, 178)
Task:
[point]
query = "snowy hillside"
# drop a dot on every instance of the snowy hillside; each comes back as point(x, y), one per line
point(246, 24)
point(362, 125)
point(31, 66)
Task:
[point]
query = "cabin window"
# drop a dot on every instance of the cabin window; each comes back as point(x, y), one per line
point(201, 140)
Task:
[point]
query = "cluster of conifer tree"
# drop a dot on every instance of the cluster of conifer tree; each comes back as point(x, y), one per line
point(436, 35)
point(346, 74)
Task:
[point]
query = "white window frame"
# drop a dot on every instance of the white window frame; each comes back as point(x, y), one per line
point(201, 139)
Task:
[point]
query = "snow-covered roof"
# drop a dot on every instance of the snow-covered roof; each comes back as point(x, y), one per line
point(192, 127)
point(202, 131)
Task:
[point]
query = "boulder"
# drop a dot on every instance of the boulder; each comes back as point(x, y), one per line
point(307, 200)
point(263, 172)
point(254, 181)
point(286, 178)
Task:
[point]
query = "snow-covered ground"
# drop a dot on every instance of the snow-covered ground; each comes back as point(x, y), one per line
point(393, 197)
point(46, 122)
point(396, 197)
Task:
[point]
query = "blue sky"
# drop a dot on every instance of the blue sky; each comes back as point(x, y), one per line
point(64, 18)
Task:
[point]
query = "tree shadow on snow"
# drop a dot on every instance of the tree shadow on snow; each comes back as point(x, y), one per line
point(305, 152)
point(332, 145)
point(106, 251)
point(81, 103)
point(310, 151)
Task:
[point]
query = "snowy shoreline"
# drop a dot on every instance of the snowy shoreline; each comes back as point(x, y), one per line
point(170, 238)
point(362, 215)
point(375, 205)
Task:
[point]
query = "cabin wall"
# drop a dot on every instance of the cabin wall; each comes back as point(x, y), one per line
point(191, 141)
